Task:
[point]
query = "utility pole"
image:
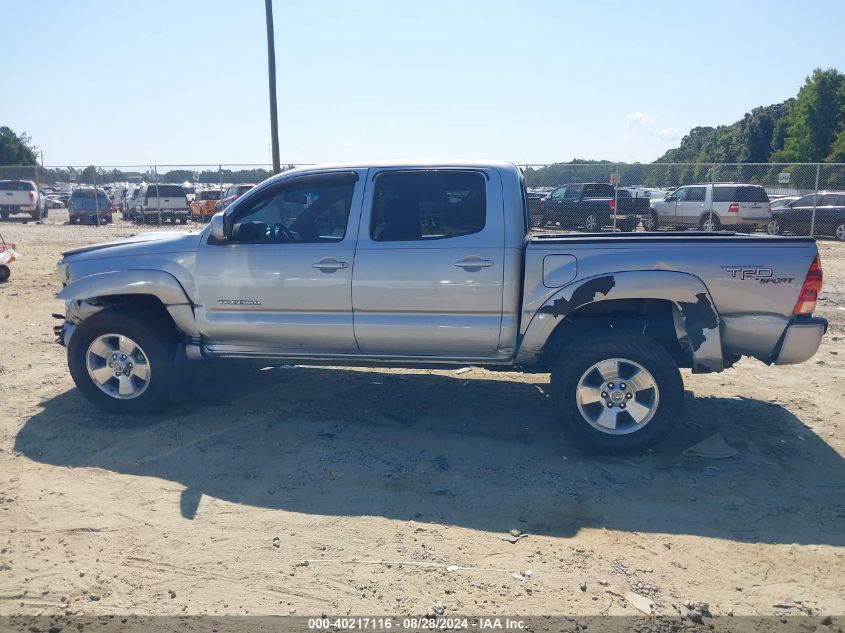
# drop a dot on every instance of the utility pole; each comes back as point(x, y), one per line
point(271, 70)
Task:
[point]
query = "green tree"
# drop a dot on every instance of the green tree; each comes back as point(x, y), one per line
point(14, 149)
point(816, 119)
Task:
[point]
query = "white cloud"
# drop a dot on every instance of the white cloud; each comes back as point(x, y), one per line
point(668, 134)
point(640, 118)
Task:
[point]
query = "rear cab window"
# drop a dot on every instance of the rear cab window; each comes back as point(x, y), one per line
point(420, 206)
point(598, 191)
point(739, 193)
point(16, 185)
point(166, 191)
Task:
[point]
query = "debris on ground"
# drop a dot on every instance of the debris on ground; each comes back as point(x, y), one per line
point(713, 447)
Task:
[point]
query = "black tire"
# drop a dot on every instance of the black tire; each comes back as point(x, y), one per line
point(183, 220)
point(628, 226)
point(151, 332)
point(5, 273)
point(717, 223)
point(651, 222)
point(774, 227)
point(574, 361)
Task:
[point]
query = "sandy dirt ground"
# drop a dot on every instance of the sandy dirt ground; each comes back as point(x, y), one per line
point(293, 490)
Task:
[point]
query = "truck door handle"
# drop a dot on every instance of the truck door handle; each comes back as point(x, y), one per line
point(329, 264)
point(473, 262)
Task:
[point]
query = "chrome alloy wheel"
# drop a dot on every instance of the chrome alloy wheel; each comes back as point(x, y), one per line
point(617, 396)
point(118, 366)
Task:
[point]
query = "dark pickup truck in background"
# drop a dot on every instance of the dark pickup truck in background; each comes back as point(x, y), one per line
point(590, 206)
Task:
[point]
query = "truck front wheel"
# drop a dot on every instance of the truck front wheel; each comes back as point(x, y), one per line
point(122, 360)
point(617, 392)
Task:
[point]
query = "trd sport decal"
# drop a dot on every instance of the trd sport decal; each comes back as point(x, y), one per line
point(239, 302)
point(762, 275)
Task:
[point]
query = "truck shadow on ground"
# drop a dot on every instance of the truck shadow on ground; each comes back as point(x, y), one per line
point(482, 453)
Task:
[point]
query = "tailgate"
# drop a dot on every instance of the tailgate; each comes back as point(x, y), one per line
point(754, 210)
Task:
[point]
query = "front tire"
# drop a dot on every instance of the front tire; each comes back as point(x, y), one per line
point(651, 222)
point(616, 392)
point(122, 360)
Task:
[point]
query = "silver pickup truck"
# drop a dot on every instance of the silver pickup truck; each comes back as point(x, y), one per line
point(421, 264)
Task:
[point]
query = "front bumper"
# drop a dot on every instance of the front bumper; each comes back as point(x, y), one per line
point(801, 340)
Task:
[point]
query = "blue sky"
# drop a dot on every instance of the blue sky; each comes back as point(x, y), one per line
point(527, 81)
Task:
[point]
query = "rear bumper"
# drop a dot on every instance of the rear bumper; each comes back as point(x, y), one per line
point(734, 220)
point(801, 340)
point(17, 208)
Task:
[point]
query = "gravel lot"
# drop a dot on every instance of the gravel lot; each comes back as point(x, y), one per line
point(400, 487)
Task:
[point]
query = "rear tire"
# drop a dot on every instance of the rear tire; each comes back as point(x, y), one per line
point(5, 273)
point(592, 223)
point(708, 223)
point(152, 335)
point(656, 392)
point(4, 215)
point(839, 231)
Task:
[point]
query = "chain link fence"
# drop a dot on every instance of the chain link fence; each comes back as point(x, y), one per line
point(778, 198)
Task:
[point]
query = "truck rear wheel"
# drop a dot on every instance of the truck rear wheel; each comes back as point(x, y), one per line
point(5, 273)
point(617, 392)
point(122, 360)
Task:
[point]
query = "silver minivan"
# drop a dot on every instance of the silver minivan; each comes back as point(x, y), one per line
point(711, 207)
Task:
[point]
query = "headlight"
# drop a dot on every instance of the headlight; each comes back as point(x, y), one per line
point(63, 272)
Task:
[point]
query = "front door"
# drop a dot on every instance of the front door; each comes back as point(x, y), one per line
point(690, 205)
point(428, 277)
point(282, 282)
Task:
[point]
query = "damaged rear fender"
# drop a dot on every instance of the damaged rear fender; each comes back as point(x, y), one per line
point(696, 319)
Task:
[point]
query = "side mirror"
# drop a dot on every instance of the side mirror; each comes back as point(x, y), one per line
point(218, 227)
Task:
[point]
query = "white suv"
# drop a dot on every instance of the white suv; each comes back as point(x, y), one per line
point(171, 203)
point(711, 207)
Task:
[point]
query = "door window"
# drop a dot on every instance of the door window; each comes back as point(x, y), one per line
point(695, 194)
point(310, 210)
point(427, 206)
point(681, 194)
point(560, 192)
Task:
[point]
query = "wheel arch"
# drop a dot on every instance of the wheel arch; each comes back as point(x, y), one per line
point(674, 308)
point(154, 290)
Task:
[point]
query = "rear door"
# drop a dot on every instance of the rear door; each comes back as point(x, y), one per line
point(829, 211)
point(428, 275)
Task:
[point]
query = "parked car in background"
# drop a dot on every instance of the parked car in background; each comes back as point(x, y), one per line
point(167, 203)
point(591, 206)
point(52, 201)
point(86, 207)
point(205, 204)
point(779, 203)
point(711, 207)
point(233, 193)
point(797, 216)
point(21, 196)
